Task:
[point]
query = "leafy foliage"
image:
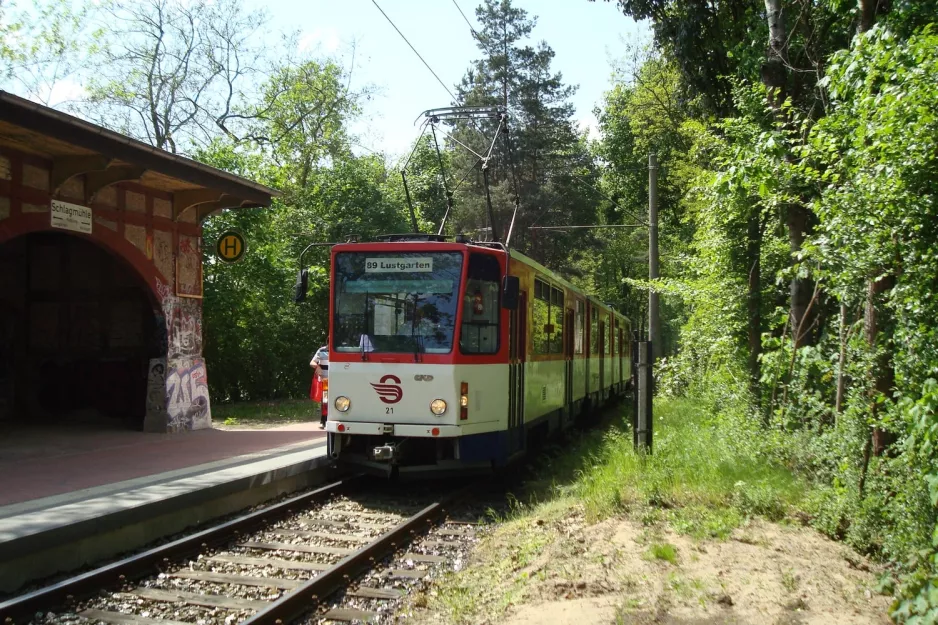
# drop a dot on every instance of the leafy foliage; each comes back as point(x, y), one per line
point(845, 133)
point(544, 161)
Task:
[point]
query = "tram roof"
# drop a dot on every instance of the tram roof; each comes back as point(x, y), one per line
point(555, 277)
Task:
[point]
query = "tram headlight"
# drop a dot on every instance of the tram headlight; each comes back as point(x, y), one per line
point(437, 407)
point(342, 403)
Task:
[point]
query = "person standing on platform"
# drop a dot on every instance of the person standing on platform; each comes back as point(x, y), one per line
point(320, 365)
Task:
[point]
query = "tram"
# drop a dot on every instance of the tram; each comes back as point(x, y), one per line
point(454, 355)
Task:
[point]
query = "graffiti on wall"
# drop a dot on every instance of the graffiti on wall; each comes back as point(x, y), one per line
point(189, 267)
point(163, 254)
point(183, 327)
point(163, 290)
point(187, 395)
point(156, 388)
point(177, 386)
point(183, 319)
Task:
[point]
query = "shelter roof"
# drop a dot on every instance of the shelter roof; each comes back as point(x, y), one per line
point(75, 147)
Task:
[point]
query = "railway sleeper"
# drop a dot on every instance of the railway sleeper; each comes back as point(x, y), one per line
point(288, 565)
point(348, 538)
point(404, 573)
point(241, 580)
point(301, 548)
point(348, 615)
point(192, 598)
point(119, 618)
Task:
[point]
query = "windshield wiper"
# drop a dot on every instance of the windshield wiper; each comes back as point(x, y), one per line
point(361, 340)
point(413, 330)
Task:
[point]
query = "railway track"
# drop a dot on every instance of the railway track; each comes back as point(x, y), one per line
point(339, 554)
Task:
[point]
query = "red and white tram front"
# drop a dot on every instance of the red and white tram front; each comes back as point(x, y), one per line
point(419, 356)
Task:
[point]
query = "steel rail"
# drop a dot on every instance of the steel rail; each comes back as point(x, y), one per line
point(315, 591)
point(141, 564)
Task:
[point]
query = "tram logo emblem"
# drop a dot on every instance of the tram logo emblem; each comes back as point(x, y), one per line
point(389, 393)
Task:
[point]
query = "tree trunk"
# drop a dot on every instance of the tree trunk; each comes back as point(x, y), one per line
point(798, 218)
point(842, 362)
point(799, 226)
point(774, 71)
point(754, 301)
point(884, 374)
point(867, 14)
point(773, 12)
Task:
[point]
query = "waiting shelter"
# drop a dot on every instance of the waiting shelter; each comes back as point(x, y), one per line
point(101, 273)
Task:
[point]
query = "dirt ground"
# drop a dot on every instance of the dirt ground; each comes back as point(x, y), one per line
point(620, 571)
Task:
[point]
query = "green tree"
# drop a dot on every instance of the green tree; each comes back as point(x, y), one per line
point(302, 117)
point(297, 141)
point(544, 163)
point(644, 112)
point(172, 72)
point(45, 44)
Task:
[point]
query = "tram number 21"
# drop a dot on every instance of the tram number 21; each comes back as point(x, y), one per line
point(389, 410)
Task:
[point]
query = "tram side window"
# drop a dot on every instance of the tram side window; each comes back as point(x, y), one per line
point(594, 332)
point(480, 317)
point(579, 328)
point(610, 342)
point(556, 315)
point(541, 334)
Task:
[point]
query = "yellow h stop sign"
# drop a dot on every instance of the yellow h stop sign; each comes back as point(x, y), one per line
point(230, 247)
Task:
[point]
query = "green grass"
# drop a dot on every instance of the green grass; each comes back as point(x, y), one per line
point(704, 473)
point(662, 551)
point(266, 412)
point(705, 478)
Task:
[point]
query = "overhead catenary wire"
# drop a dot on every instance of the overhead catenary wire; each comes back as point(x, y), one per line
point(424, 127)
point(576, 178)
point(481, 159)
point(427, 65)
point(468, 23)
point(582, 227)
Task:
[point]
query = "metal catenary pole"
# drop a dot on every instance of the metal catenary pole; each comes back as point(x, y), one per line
point(644, 423)
point(654, 321)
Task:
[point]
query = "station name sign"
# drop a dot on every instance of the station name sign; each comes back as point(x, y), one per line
point(398, 265)
point(71, 217)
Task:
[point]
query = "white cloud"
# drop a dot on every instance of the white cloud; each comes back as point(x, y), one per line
point(590, 124)
point(326, 39)
point(61, 92)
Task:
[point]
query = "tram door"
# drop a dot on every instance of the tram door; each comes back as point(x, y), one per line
point(602, 358)
point(517, 354)
point(621, 355)
point(569, 331)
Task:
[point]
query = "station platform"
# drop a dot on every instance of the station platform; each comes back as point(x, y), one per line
point(75, 496)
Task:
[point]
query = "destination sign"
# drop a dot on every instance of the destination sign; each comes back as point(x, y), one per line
point(399, 265)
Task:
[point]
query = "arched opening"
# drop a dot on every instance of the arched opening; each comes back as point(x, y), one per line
point(78, 327)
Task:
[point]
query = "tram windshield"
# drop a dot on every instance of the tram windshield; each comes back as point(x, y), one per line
point(396, 302)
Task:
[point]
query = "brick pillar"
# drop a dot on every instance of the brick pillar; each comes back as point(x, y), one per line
point(177, 385)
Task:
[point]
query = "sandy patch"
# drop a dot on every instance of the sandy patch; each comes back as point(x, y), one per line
point(567, 572)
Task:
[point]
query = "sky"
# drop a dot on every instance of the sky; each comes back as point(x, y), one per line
point(586, 37)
